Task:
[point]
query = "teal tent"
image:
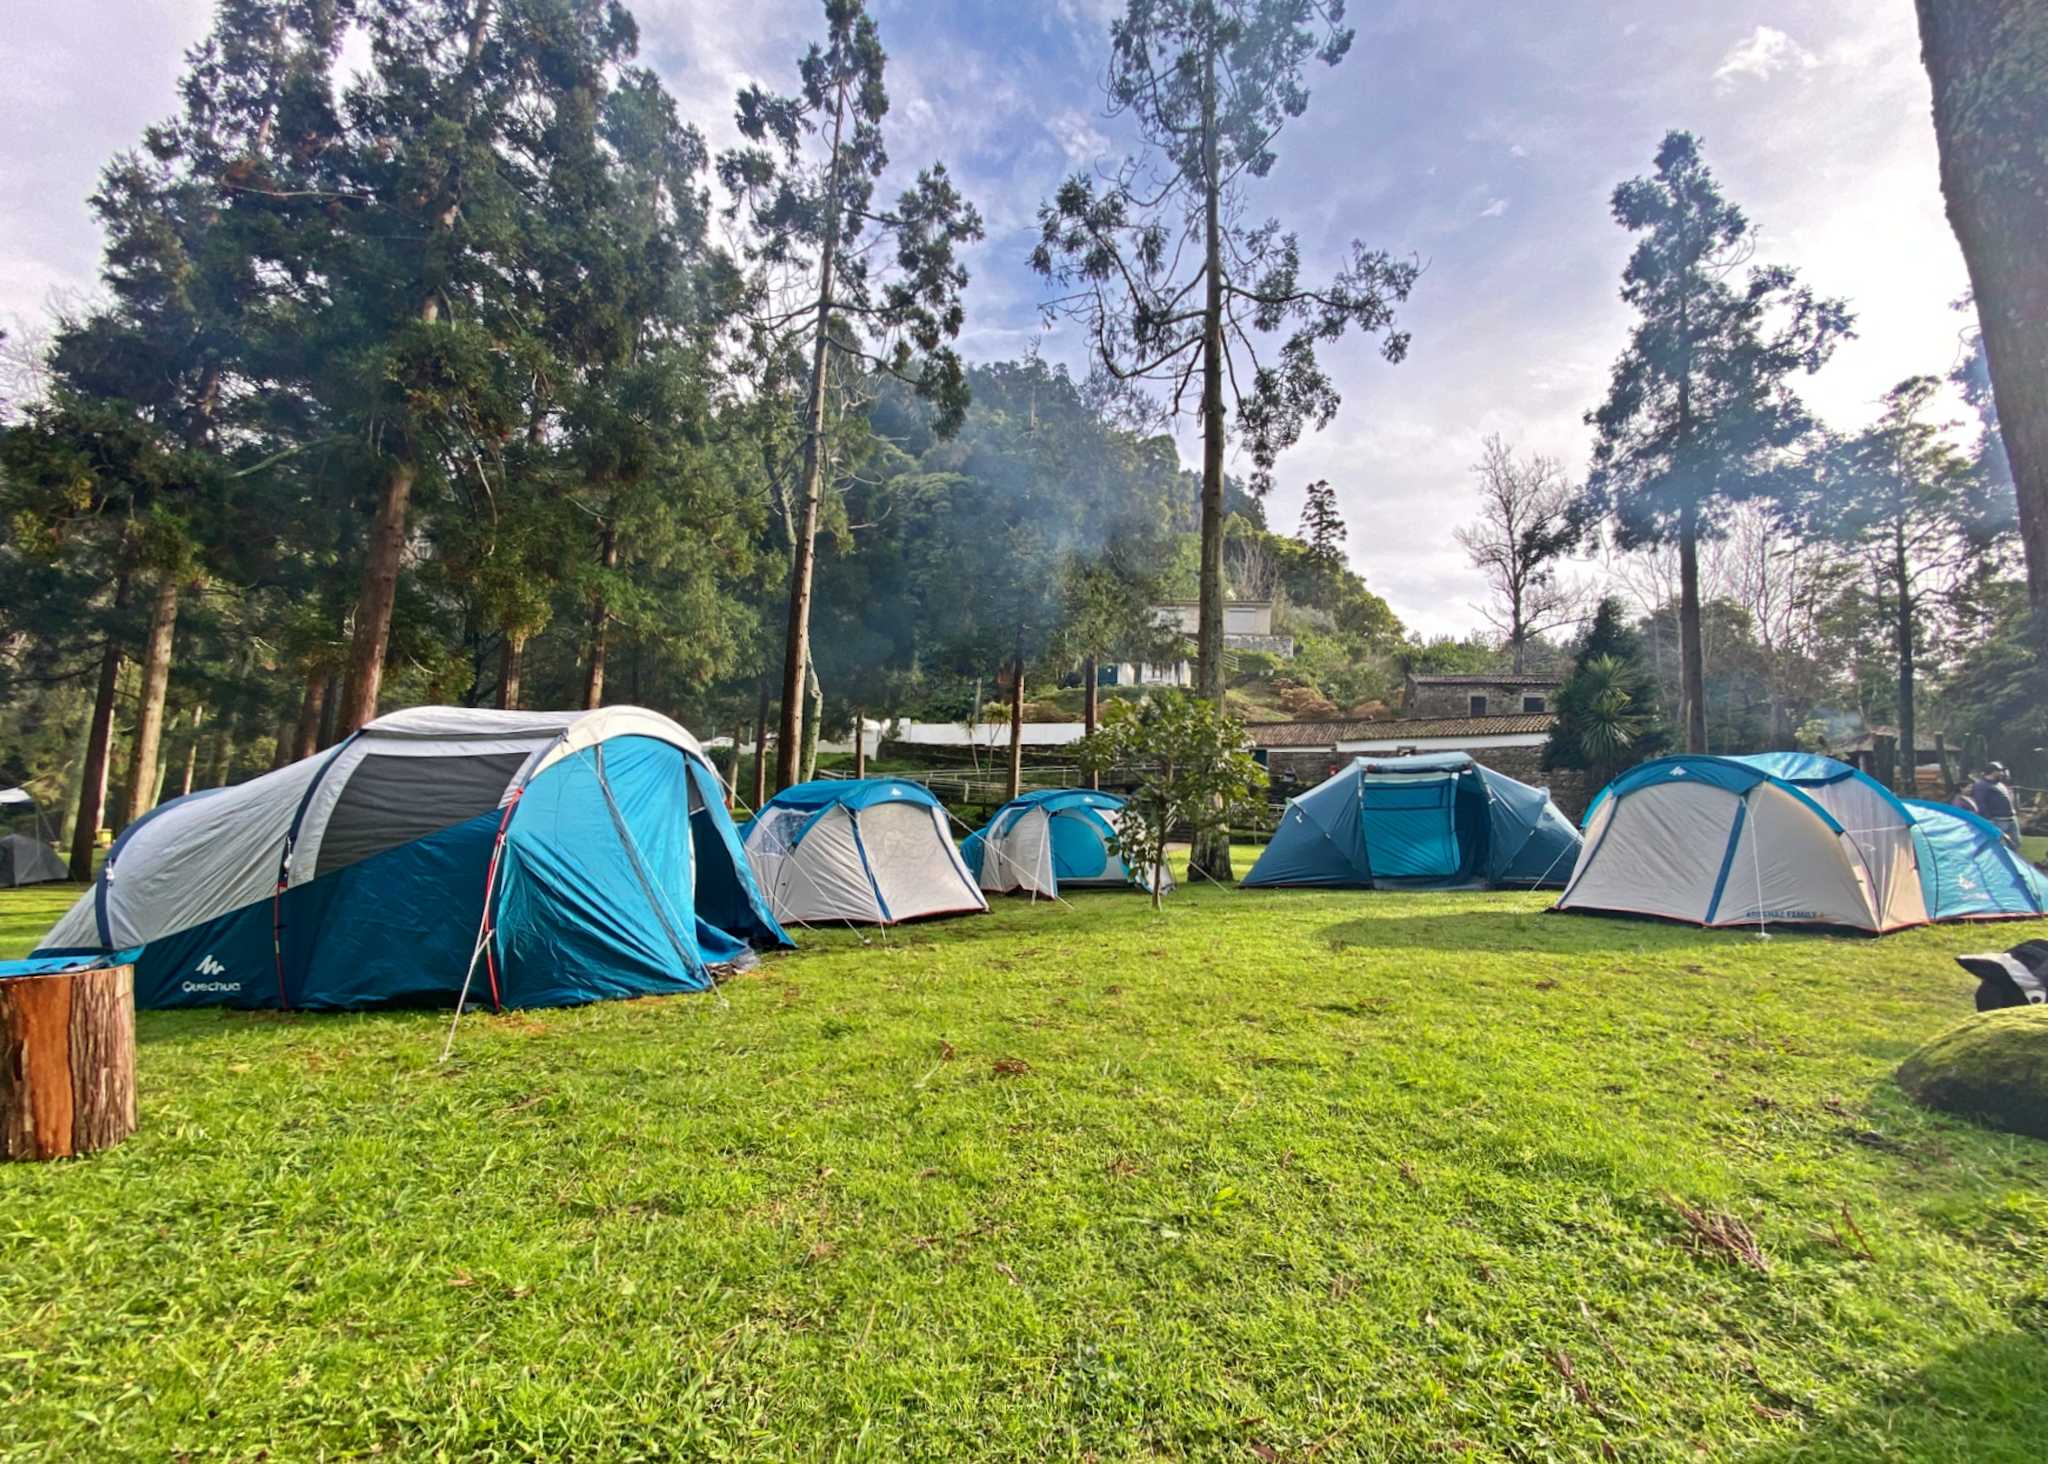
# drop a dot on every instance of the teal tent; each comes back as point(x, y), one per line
point(562, 857)
point(1973, 873)
point(1049, 840)
point(1436, 821)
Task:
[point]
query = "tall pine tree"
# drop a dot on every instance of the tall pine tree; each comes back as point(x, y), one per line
point(852, 286)
point(1701, 408)
point(1173, 285)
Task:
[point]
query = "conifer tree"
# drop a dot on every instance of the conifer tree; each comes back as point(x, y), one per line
point(829, 287)
point(1700, 409)
point(1172, 284)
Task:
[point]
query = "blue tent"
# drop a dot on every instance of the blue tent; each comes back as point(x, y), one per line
point(1051, 839)
point(1435, 821)
point(869, 850)
point(1975, 874)
point(581, 855)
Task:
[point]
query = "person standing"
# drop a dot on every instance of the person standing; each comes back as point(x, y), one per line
point(1992, 793)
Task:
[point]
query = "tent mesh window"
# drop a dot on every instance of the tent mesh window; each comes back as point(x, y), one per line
point(775, 832)
point(392, 800)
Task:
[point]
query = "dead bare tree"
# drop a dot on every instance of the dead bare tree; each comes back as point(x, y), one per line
point(1524, 529)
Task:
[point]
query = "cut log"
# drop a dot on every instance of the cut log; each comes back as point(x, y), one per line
point(67, 1062)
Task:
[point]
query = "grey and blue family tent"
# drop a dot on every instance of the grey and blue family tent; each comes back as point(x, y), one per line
point(1436, 821)
point(583, 855)
point(1049, 840)
point(1788, 838)
point(26, 856)
point(869, 850)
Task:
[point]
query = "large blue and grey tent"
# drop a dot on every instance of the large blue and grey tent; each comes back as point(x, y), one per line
point(1434, 821)
point(1052, 839)
point(1789, 838)
point(580, 855)
point(870, 850)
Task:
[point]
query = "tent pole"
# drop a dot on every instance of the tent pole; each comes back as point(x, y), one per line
point(463, 996)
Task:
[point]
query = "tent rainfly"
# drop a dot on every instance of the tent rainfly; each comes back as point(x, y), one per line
point(1976, 874)
point(1789, 838)
point(583, 855)
point(1434, 821)
point(873, 851)
point(1049, 840)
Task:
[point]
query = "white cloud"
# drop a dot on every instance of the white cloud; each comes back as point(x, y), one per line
point(1494, 209)
point(1077, 135)
point(1761, 55)
point(1516, 150)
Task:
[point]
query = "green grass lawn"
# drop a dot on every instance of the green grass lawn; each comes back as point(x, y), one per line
point(1272, 1175)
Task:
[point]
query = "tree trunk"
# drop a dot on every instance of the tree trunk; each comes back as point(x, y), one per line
point(306, 737)
point(1692, 674)
point(223, 755)
point(814, 720)
point(1091, 707)
point(92, 786)
point(804, 532)
point(761, 746)
point(67, 1063)
point(1016, 770)
point(192, 749)
point(600, 624)
point(281, 748)
point(1909, 732)
point(732, 765)
point(330, 715)
point(1988, 62)
point(149, 717)
point(374, 601)
point(1211, 854)
point(511, 666)
point(860, 743)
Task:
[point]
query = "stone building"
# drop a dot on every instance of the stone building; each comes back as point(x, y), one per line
point(1491, 695)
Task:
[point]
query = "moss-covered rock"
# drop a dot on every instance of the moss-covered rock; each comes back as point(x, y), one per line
point(1993, 1067)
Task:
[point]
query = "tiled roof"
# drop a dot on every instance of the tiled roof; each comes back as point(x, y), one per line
point(1463, 679)
point(1405, 729)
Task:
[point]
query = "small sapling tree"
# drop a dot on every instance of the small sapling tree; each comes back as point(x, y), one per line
point(1194, 770)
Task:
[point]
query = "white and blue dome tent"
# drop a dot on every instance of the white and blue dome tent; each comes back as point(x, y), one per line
point(1783, 838)
point(1049, 840)
point(1976, 874)
point(1434, 821)
point(873, 851)
point(581, 855)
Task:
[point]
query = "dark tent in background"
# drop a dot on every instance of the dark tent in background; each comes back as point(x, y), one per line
point(1438, 821)
point(27, 855)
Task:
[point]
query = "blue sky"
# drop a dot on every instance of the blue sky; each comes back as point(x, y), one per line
point(1483, 137)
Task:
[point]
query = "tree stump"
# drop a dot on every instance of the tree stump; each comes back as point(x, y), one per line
point(67, 1062)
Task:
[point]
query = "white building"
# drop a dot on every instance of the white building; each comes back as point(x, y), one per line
point(1247, 626)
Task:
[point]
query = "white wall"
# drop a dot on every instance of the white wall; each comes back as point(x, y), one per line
point(992, 735)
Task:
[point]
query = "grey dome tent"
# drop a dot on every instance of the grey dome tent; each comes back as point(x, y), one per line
point(26, 857)
point(1434, 822)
